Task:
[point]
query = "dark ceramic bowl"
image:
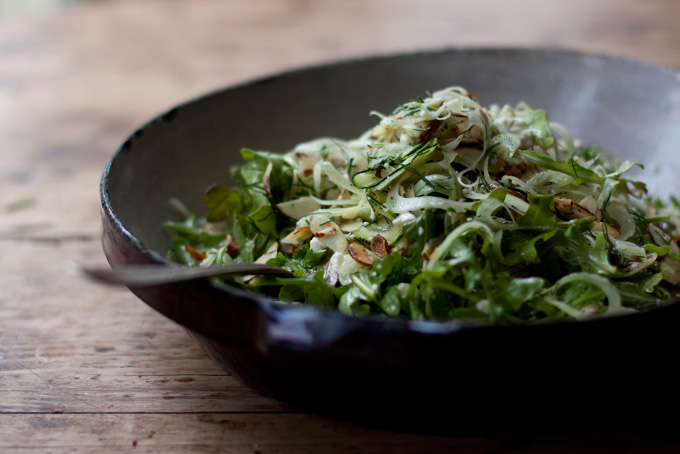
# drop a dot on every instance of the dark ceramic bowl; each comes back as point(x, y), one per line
point(612, 369)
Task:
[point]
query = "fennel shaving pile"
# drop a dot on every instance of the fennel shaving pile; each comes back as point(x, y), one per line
point(445, 209)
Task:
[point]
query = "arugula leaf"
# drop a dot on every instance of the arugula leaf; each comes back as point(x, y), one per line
point(512, 292)
point(221, 201)
point(540, 215)
point(264, 219)
point(302, 262)
point(523, 247)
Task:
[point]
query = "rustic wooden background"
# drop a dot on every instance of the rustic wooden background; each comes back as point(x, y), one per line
point(85, 368)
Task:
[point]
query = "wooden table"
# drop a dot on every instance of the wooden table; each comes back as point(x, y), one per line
point(85, 368)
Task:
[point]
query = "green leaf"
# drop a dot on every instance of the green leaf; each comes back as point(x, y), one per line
point(658, 250)
point(318, 292)
point(221, 201)
point(264, 219)
point(248, 155)
point(391, 302)
point(498, 194)
point(633, 294)
point(351, 303)
point(304, 259)
point(580, 293)
point(291, 293)
point(523, 247)
point(540, 215)
point(188, 227)
point(623, 168)
point(513, 292)
point(590, 258)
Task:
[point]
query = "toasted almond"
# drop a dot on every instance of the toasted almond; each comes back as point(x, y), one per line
point(402, 245)
point(606, 228)
point(266, 178)
point(430, 129)
point(379, 246)
point(637, 266)
point(317, 222)
point(297, 236)
point(232, 248)
point(326, 233)
point(210, 228)
point(197, 256)
point(589, 203)
point(270, 254)
point(361, 254)
point(427, 251)
point(571, 209)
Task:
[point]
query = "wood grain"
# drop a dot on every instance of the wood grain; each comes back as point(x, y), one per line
point(85, 368)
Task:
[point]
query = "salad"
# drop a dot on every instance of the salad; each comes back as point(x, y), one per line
point(445, 209)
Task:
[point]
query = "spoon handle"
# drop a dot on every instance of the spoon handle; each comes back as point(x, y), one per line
point(148, 275)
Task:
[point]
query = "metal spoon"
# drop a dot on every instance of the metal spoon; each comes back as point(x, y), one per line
point(148, 275)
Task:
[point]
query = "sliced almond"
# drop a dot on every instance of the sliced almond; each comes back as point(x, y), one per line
point(317, 222)
point(270, 254)
point(327, 234)
point(306, 163)
point(297, 236)
point(232, 248)
point(589, 203)
point(571, 209)
point(379, 246)
point(430, 129)
point(266, 178)
point(605, 228)
point(361, 254)
point(427, 251)
point(197, 256)
point(210, 228)
point(637, 266)
point(402, 245)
